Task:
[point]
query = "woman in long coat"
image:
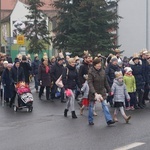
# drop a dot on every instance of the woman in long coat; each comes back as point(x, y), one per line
point(7, 83)
point(44, 78)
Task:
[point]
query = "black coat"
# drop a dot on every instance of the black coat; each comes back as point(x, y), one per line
point(43, 76)
point(70, 78)
point(110, 72)
point(35, 67)
point(144, 69)
point(17, 74)
point(26, 68)
point(84, 68)
point(8, 83)
point(56, 71)
point(137, 71)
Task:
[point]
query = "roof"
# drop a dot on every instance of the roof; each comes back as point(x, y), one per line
point(10, 4)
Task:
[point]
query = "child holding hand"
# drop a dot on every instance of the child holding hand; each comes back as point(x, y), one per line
point(120, 93)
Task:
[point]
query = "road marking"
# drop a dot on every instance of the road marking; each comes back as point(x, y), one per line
point(130, 146)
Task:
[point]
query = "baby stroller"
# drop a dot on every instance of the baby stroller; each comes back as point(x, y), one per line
point(25, 97)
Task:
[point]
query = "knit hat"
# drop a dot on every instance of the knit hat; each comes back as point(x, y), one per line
point(118, 74)
point(16, 60)
point(135, 56)
point(114, 58)
point(59, 58)
point(127, 69)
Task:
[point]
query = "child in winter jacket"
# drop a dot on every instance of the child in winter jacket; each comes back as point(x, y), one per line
point(85, 90)
point(120, 93)
point(130, 83)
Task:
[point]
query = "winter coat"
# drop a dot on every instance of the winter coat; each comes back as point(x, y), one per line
point(84, 68)
point(43, 76)
point(17, 74)
point(148, 76)
point(138, 74)
point(120, 91)
point(56, 71)
point(27, 69)
point(130, 83)
point(35, 65)
point(144, 69)
point(110, 72)
point(97, 83)
point(8, 83)
point(85, 89)
point(70, 78)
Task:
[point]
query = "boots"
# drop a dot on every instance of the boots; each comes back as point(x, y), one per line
point(74, 115)
point(65, 112)
point(115, 118)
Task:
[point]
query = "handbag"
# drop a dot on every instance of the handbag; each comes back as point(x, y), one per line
point(59, 82)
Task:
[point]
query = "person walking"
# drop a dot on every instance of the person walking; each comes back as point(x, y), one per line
point(136, 66)
point(26, 68)
point(70, 81)
point(56, 72)
point(17, 76)
point(111, 68)
point(120, 93)
point(7, 83)
point(97, 88)
point(130, 83)
point(44, 78)
point(35, 65)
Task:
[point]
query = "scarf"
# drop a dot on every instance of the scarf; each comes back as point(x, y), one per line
point(47, 69)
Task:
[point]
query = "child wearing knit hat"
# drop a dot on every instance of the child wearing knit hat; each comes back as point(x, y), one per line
point(130, 83)
point(120, 93)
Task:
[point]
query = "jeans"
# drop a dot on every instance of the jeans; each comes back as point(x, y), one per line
point(36, 82)
point(106, 112)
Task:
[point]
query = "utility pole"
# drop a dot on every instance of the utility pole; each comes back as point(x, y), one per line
point(0, 25)
point(147, 25)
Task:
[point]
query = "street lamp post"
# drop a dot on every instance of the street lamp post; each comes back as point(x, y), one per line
point(147, 25)
point(0, 26)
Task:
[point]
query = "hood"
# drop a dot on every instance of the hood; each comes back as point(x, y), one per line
point(118, 83)
point(131, 62)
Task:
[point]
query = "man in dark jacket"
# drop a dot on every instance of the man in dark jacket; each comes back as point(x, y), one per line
point(26, 68)
point(17, 74)
point(145, 74)
point(84, 68)
point(110, 74)
point(56, 72)
point(35, 66)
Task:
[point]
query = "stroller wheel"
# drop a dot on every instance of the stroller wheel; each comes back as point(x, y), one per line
point(28, 109)
point(15, 108)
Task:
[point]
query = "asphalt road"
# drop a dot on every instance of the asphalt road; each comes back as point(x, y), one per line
point(47, 129)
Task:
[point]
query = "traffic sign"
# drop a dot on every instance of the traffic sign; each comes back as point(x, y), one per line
point(20, 39)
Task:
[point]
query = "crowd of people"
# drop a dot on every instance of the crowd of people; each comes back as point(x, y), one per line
point(124, 83)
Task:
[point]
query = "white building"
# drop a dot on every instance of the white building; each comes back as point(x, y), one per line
point(134, 27)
